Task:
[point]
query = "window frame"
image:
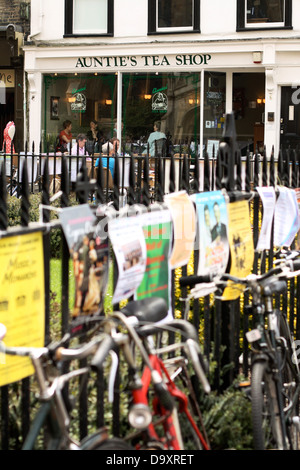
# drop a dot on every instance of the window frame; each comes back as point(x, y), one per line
point(152, 14)
point(241, 18)
point(69, 21)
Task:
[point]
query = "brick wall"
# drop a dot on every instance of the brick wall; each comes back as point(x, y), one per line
point(10, 12)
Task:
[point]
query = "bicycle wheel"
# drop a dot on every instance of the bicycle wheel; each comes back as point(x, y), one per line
point(114, 443)
point(267, 428)
point(290, 379)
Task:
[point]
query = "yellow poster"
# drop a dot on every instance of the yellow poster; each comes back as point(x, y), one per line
point(22, 301)
point(241, 246)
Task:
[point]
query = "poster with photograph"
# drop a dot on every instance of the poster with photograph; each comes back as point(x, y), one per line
point(22, 301)
point(184, 227)
point(128, 242)
point(286, 217)
point(241, 246)
point(90, 254)
point(297, 240)
point(268, 198)
point(157, 228)
point(212, 219)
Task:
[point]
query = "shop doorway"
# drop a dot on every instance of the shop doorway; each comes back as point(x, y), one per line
point(7, 111)
point(249, 109)
point(290, 117)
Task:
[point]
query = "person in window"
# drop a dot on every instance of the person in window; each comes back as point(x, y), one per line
point(110, 149)
point(65, 137)
point(79, 147)
point(94, 138)
point(155, 135)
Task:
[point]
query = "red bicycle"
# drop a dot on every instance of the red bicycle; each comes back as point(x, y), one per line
point(158, 403)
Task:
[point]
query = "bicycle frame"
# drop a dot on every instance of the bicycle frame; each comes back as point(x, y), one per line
point(141, 397)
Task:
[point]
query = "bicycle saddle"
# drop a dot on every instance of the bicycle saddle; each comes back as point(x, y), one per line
point(150, 309)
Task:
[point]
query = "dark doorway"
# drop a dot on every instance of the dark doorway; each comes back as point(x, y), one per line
point(290, 117)
point(249, 109)
point(7, 112)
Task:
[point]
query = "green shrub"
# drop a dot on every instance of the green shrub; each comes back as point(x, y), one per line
point(14, 217)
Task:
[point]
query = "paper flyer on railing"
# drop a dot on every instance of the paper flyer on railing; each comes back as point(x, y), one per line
point(241, 246)
point(268, 198)
point(184, 227)
point(90, 254)
point(128, 242)
point(157, 228)
point(22, 301)
point(286, 217)
point(212, 219)
point(297, 240)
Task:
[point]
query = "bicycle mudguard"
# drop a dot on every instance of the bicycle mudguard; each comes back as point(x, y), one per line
point(150, 309)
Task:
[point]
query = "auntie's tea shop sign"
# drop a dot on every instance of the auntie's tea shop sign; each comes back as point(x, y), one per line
point(133, 61)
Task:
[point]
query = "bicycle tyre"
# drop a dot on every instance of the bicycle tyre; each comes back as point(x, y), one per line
point(290, 374)
point(267, 429)
point(113, 443)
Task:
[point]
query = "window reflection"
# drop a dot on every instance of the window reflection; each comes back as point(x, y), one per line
point(175, 13)
point(172, 99)
point(214, 109)
point(265, 11)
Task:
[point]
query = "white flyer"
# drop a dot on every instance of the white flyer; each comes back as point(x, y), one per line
point(268, 198)
point(128, 242)
point(286, 218)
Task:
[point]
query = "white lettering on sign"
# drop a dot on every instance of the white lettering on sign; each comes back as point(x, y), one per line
point(180, 60)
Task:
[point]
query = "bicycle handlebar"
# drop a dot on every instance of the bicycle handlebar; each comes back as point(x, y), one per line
point(220, 280)
point(106, 345)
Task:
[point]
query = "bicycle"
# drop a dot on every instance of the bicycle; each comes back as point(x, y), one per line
point(275, 379)
point(53, 416)
point(153, 412)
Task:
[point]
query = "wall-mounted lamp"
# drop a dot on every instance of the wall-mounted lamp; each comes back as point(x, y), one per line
point(192, 101)
point(72, 99)
point(108, 102)
point(260, 100)
point(147, 97)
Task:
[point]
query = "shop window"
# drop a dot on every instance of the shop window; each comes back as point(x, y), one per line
point(173, 16)
point(214, 110)
point(172, 99)
point(89, 17)
point(80, 99)
point(262, 14)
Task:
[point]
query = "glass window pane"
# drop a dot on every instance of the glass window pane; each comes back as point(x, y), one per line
point(175, 13)
point(265, 11)
point(172, 99)
point(79, 98)
point(214, 110)
point(90, 16)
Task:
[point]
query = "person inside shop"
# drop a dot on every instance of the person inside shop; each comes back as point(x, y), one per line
point(110, 148)
point(65, 137)
point(155, 135)
point(94, 138)
point(80, 147)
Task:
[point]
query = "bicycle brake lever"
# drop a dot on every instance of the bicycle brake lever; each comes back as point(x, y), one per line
point(112, 375)
point(194, 352)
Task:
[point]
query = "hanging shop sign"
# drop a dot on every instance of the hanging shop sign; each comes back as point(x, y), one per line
point(159, 100)
point(130, 62)
point(78, 101)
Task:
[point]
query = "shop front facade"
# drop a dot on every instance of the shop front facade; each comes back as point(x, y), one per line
point(186, 85)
